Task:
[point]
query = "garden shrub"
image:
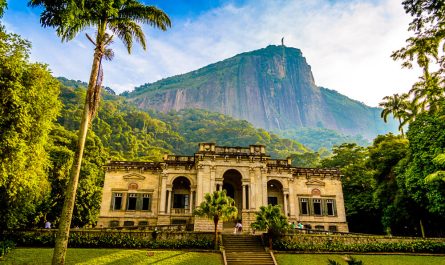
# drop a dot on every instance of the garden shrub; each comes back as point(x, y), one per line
point(109, 240)
point(6, 246)
point(418, 246)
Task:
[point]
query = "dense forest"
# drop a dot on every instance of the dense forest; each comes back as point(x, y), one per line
point(394, 186)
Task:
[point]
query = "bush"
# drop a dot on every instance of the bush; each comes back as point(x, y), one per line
point(5, 247)
point(420, 246)
point(107, 240)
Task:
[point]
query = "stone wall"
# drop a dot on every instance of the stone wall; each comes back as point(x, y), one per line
point(205, 224)
point(248, 219)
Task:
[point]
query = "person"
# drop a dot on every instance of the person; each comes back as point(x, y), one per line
point(47, 225)
point(293, 225)
point(238, 227)
point(300, 225)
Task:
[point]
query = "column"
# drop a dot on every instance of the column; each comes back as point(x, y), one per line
point(191, 201)
point(291, 201)
point(199, 188)
point(244, 197)
point(162, 195)
point(169, 201)
point(264, 190)
point(285, 204)
point(212, 179)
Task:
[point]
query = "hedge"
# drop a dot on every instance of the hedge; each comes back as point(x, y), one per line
point(418, 246)
point(107, 240)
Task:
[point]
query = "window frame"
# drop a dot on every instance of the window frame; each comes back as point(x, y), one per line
point(149, 198)
point(113, 201)
point(306, 201)
point(131, 196)
point(320, 202)
point(334, 210)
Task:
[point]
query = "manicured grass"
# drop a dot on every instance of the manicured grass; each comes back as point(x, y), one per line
point(87, 256)
point(320, 259)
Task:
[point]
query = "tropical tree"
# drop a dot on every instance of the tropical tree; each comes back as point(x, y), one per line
point(29, 106)
point(3, 6)
point(358, 186)
point(270, 218)
point(439, 161)
point(425, 49)
point(120, 18)
point(217, 206)
point(395, 105)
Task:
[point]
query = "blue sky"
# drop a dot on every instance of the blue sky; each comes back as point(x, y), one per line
point(348, 43)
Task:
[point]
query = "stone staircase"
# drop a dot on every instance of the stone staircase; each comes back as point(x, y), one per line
point(245, 249)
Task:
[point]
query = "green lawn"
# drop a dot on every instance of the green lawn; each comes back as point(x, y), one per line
point(90, 256)
point(322, 259)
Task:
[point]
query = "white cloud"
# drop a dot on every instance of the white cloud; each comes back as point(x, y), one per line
point(348, 44)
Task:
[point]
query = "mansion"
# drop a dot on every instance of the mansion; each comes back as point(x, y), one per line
point(164, 193)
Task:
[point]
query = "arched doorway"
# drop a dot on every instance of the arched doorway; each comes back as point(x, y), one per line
point(275, 193)
point(233, 185)
point(181, 196)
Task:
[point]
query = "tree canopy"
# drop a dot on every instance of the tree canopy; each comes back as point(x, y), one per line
point(217, 206)
point(29, 96)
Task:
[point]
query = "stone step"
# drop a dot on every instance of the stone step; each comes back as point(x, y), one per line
point(245, 249)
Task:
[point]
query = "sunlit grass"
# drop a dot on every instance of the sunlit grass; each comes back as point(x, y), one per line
point(320, 259)
point(82, 256)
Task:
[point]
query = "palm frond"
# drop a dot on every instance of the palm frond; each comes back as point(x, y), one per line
point(150, 15)
point(127, 30)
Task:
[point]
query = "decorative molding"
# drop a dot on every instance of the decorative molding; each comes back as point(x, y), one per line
point(133, 186)
point(133, 176)
point(315, 182)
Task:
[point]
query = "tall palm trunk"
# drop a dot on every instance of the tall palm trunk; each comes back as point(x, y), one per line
point(401, 127)
point(70, 193)
point(215, 221)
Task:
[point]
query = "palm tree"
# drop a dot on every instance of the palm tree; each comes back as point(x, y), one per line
point(429, 92)
point(395, 105)
point(271, 219)
point(121, 18)
point(217, 206)
point(439, 161)
point(3, 6)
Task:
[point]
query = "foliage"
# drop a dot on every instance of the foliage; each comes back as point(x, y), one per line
point(270, 218)
point(318, 138)
point(397, 106)
point(426, 141)
point(108, 240)
point(29, 107)
point(3, 6)
point(307, 159)
point(415, 246)
point(384, 156)
point(5, 247)
point(202, 126)
point(425, 48)
point(439, 161)
point(110, 18)
point(217, 206)
point(358, 185)
point(126, 132)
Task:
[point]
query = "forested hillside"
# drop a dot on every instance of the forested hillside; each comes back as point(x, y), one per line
point(129, 133)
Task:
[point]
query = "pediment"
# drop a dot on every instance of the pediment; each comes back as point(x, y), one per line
point(315, 182)
point(133, 176)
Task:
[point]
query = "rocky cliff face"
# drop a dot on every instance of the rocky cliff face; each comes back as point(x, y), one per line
point(273, 88)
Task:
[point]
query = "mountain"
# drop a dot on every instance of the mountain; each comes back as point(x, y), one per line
point(273, 88)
